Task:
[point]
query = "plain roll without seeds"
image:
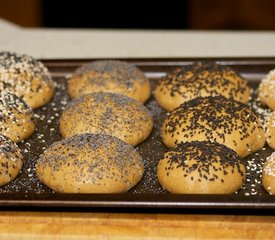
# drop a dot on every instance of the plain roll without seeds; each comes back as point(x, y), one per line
point(110, 76)
point(26, 77)
point(201, 79)
point(215, 119)
point(201, 168)
point(90, 163)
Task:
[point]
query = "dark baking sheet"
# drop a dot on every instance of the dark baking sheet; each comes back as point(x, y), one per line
point(26, 190)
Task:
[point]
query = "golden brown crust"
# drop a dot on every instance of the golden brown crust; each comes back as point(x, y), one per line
point(90, 163)
point(26, 77)
point(267, 90)
point(11, 160)
point(270, 130)
point(215, 119)
point(201, 168)
point(110, 76)
point(108, 113)
point(268, 175)
point(202, 79)
point(16, 117)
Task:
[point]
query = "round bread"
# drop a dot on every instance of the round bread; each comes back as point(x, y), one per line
point(26, 77)
point(268, 175)
point(90, 163)
point(110, 76)
point(267, 90)
point(201, 79)
point(270, 130)
point(108, 113)
point(215, 119)
point(16, 117)
point(201, 168)
point(11, 160)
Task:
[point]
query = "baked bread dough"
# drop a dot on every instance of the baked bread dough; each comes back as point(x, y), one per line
point(110, 76)
point(109, 113)
point(11, 160)
point(201, 79)
point(215, 119)
point(26, 77)
point(270, 130)
point(268, 175)
point(90, 163)
point(16, 117)
point(201, 168)
point(267, 90)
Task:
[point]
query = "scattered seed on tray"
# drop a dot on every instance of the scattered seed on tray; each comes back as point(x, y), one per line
point(151, 150)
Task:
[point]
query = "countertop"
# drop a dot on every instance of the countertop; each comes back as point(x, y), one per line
point(87, 43)
point(85, 225)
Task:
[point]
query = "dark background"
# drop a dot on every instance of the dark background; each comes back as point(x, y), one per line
point(185, 14)
point(113, 14)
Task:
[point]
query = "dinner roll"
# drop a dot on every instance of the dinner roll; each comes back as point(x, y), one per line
point(11, 160)
point(267, 90)
point(26, 77)
point(270, 130)
point(201, 168)
point(90, 163)
point(216, 119)
point(201, 79)
point(16, 117)
point(268, 175)
point(109, 113)
point(110, 76)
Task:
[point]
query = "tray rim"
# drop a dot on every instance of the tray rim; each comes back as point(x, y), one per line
point(131, 200)
point(151, 61)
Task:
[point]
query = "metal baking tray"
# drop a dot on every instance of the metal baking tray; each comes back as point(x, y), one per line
point(27, 191)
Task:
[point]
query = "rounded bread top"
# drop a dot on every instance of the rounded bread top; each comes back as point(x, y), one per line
point(90, 163)
point(216, 119)
point(201, 79)
point(26, 77)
